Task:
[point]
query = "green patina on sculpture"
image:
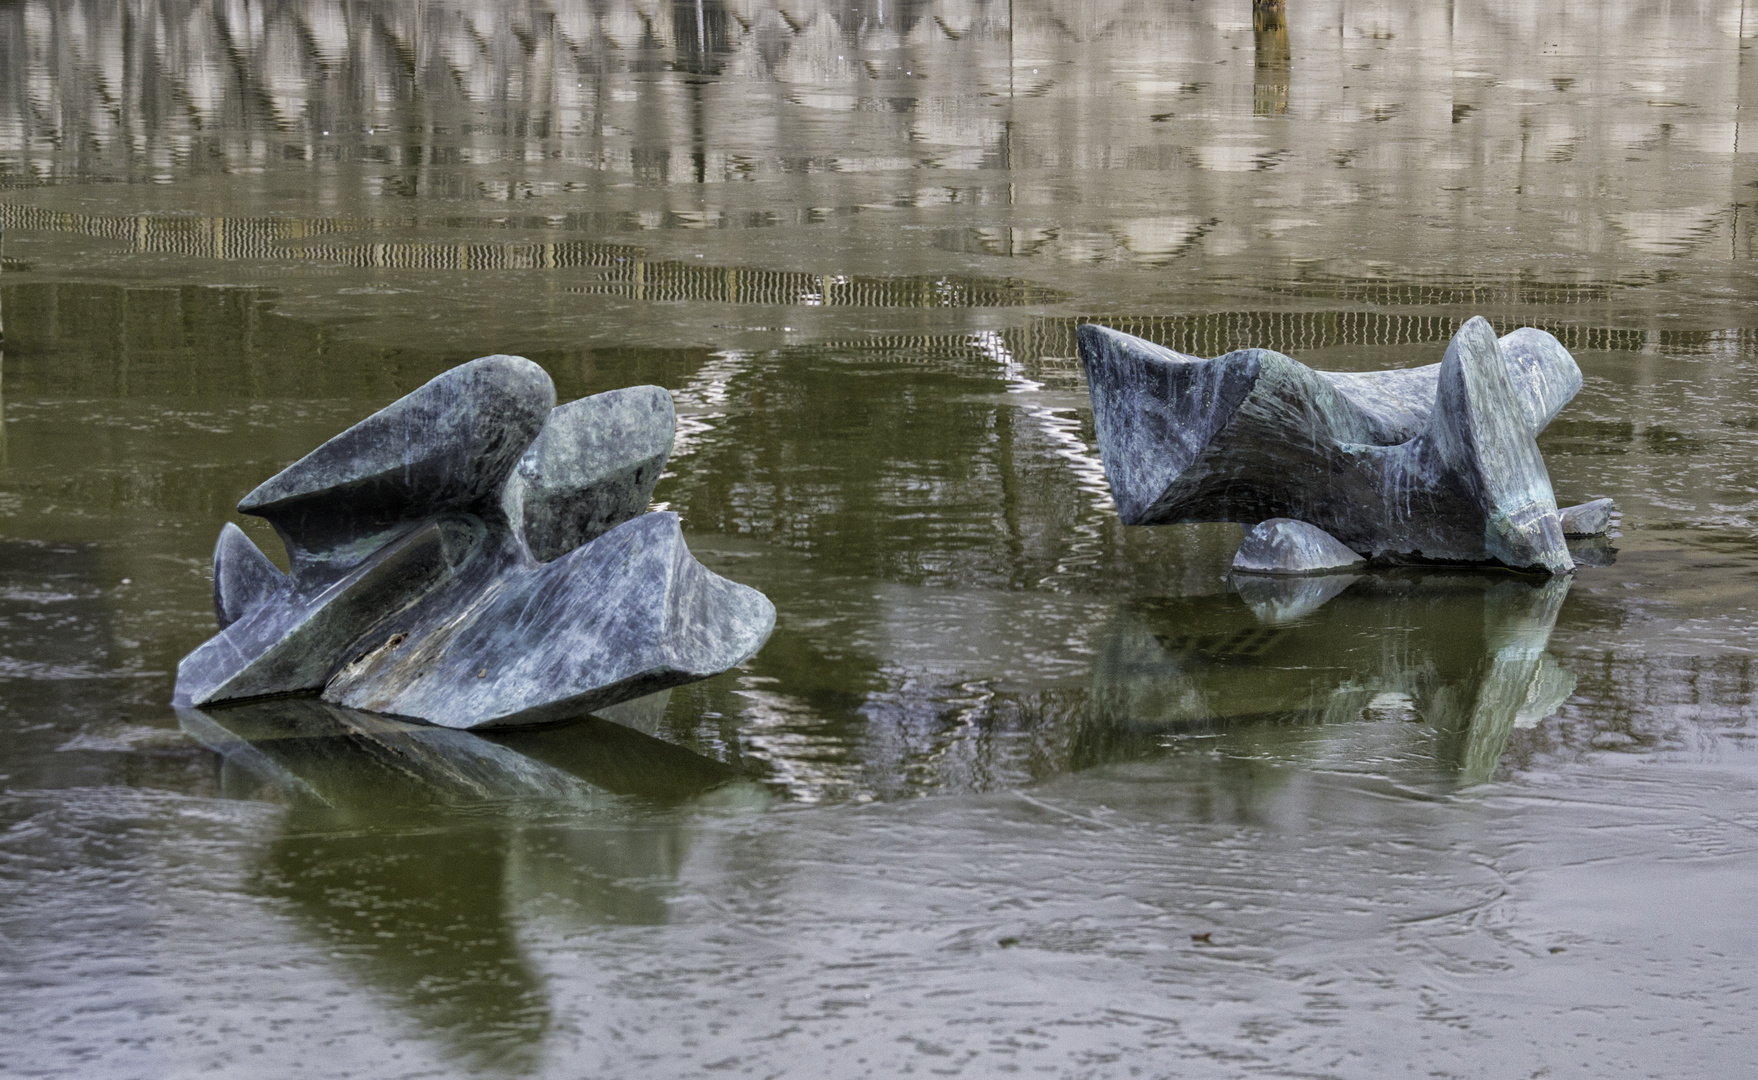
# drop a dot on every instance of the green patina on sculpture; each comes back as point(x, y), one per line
point(1431, 464)
point(473, 556)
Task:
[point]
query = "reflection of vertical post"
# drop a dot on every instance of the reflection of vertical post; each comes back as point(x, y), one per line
point(1269, 23)
point(1745, 97)
point(1007, 135)
point(2, 358)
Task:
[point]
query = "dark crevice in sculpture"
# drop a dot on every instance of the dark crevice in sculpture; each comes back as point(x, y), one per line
point(1434, 464)
point(474, 556)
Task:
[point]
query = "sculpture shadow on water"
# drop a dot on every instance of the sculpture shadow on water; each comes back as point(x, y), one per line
point(475, 556)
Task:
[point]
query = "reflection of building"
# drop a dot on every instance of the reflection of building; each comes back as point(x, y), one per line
point(469, 83)
point(537, 100)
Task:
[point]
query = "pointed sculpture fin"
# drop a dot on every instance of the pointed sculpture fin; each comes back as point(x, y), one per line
point(243, 576)
point(447, 446)
point(1155, 410)
point(1481, 436)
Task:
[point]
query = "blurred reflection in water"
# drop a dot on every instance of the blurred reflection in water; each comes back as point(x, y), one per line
point(410, 852)
point(1441, 667)
point(1269, 24)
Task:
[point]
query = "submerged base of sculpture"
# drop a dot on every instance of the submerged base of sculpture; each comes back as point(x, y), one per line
point(474, 556)
point(1283, 547)
point(1438, 464)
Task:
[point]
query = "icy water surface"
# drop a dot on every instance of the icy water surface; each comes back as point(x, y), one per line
point(1012, 789)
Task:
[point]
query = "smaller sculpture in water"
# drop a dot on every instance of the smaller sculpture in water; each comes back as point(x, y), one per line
point(474, 556)
point(1429, 464)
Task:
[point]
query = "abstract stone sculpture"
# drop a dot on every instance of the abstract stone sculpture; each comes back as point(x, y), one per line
point(1430, 464)
point(473, 556)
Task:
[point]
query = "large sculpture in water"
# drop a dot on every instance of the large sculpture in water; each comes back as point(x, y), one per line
point(1429, 464)
point(474, 556)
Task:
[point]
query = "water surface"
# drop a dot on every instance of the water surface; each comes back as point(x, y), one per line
point(1012, 788)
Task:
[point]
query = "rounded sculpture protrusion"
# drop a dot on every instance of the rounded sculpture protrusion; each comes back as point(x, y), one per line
point(244, 578)
point(1286, 546)
point(1589, 518)
point(593, 467)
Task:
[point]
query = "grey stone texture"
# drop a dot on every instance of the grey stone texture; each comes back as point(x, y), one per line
point(244, 578)
point(593, 466)
point(473, 556)
point(1589, 518)
point(1286, 546)
point(1433, 464)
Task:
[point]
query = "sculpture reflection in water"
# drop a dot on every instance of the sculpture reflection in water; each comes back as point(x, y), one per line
point(413, 852)
point(1369, 668)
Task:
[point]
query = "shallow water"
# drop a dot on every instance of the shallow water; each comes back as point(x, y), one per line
point(1012, 788)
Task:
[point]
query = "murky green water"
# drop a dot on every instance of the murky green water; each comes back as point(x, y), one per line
point(1012, 788)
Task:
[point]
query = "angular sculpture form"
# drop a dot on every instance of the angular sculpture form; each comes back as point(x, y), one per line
point(289, 749)
point(1431, 464)
point(474, 556)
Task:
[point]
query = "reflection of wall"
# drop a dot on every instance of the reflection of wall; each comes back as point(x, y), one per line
point(567, 97)
point(213, 347)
